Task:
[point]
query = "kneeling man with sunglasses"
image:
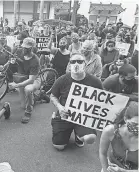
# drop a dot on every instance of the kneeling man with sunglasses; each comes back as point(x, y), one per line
point(62, 129)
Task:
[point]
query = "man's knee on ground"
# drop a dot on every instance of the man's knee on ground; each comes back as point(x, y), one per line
point(59, 147)
point(89, 139)
point(29, 89)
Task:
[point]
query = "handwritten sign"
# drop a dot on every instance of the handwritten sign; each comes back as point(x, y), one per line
point(123, 48)
point(92, 107)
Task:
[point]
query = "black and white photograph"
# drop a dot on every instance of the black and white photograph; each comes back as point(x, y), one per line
point(69, 75)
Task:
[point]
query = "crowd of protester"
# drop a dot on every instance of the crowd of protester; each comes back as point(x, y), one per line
point(87, 56)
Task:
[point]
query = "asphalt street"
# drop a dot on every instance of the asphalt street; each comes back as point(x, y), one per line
point(28, 147)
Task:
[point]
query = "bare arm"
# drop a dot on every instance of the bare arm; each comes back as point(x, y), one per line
point(62, 111)
point(55, 101)
point(28, 81)
point(53, 50)
point(104, 146)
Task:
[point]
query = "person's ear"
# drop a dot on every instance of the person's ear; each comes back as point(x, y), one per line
point(125, 119)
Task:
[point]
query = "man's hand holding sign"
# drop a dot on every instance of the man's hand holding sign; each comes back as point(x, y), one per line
point(92, 107)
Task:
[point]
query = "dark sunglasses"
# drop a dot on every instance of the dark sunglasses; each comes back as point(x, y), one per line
point(78, 61)
point(111, 46)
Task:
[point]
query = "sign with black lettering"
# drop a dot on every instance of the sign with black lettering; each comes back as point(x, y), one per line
point(92, 107)
point(42, 42)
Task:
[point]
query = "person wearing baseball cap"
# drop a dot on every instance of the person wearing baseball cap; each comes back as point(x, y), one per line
point(28, 43)
point(29, 67)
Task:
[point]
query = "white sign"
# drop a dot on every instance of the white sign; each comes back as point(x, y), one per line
point(92, 107)
point(123, 48)
point(11, 40)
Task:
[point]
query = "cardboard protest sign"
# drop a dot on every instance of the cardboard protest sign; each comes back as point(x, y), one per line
point(123, 48)
point(92, 107)
point(42, 42)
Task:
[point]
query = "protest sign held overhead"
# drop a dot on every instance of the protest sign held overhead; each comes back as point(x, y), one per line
point(92, 107)
point(42, 42)
point(123, 48)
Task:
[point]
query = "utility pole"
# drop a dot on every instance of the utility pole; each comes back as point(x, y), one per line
point(74, 13)
point(69, 17)
point(15, 11)
point(41, 9)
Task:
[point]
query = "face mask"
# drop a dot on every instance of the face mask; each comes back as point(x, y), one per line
point(85, 53)
point(27, 58)
point(75, 40)
point(110, 48)
point(27, 51)
point(127, 40)
point(77, 68)
point(132, 128)
point(129, 82)
point(62, 47)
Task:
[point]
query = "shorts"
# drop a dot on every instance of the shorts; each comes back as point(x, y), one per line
point(62, 130)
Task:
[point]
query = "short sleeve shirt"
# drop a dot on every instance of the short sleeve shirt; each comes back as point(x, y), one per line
point(28, 67)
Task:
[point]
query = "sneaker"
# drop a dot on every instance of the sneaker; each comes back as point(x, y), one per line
point(26, 118)
point(7, 108)
point(78, 142)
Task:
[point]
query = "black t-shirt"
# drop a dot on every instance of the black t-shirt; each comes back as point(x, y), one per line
point(28, 67)
point(62, 86)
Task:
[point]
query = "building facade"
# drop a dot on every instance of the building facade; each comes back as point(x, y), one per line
point(104, 12)
point(27, 10)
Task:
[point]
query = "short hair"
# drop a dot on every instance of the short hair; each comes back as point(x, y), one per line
point(110, 42)
point(63, 39)
point(74, 35)
point(126, 68)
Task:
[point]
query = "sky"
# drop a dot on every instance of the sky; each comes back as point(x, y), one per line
point(127, 16)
